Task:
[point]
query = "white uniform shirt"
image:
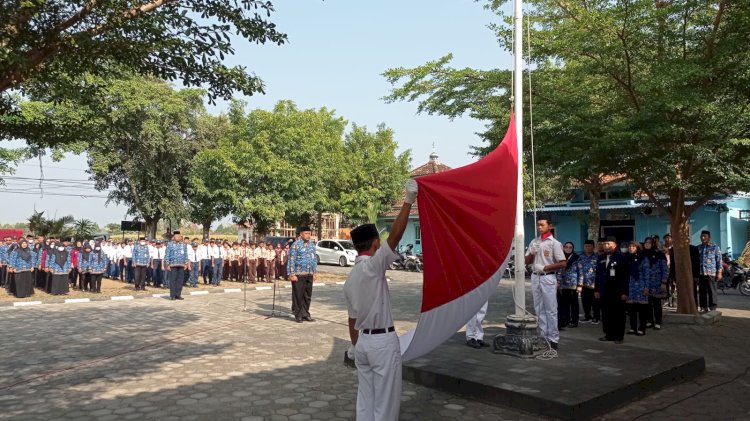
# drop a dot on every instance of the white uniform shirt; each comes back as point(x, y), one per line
point(215, 252)
point(203, 252)
point(127, 252)
point(367, 297)
point(159, 253)
point(152, 251)
point(550, 251)
point(193, 254)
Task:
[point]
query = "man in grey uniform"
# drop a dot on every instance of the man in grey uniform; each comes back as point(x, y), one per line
point(376, 347)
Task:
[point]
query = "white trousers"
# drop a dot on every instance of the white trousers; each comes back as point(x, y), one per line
point(378, 359)
point(474, 326)
point(544, 291)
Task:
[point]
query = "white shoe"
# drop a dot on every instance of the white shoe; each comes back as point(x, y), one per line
point(657, 327)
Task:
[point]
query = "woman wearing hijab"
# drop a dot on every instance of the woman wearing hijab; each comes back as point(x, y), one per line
point(97, 265)
point(58, 265)
point(638, 290)
point(38, 251)
point(22, 263)
point(82, 266)
point(654, 270)
point(569, 287)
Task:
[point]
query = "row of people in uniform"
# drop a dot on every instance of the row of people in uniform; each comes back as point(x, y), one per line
point(613, 284)
point(213, 260)
point(48, 264)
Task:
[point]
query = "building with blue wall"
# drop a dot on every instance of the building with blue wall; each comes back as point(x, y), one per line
point(631, 219)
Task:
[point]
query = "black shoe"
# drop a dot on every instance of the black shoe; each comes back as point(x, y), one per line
point(482, 343)
point(308, 319)
point(554, 345)
point(473, 343)
point(143, 289)
point(605, 339)
point(172, 298)
point(298, 320)
point(180, 298)
point(573, 325)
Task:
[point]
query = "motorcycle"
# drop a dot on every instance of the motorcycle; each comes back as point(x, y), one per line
point(735, 277)
point(405, 260)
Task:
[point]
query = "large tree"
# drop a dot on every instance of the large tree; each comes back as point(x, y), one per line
point(48, 41)
point(214, 187)
point(663, 83)
point(146, 145)
point(679, 88)
point(375, 172)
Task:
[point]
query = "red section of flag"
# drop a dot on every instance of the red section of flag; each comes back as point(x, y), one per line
point(467, 217)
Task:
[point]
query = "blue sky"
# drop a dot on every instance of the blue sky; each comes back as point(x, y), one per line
point(337, 52)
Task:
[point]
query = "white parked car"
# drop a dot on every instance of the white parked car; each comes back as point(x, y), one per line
point(339, 252)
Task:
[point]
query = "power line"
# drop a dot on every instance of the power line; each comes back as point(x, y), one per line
point(52, 167)
point(81, 195)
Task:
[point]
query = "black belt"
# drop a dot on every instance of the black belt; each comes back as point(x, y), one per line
point(544, 274)
point(378, 331)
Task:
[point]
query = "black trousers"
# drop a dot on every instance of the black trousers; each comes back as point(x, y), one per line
point(655, 311)
point(613, 317)
point(590, 304)
point(568, 307)
point(707, 292)
point(140, 277)
point(638, 316)
point(301, 296)
point(85, 284)
point(176, 277)
point(96, 282)
point(3, 275)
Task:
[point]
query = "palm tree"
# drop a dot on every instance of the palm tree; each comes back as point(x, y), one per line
point(84, 229)
point(36, 222)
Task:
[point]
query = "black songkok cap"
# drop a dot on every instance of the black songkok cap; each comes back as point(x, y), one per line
point(612, 239)
point(175, 232)
point(589, 242)
point(303, 229)
point(364, 233)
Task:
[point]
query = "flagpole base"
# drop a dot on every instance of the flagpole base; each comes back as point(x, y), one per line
point(520, 338)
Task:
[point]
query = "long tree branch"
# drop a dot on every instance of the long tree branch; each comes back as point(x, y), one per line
point(35, 59)
point(711, 41)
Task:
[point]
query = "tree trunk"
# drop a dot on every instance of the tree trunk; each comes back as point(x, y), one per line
point(320, 225)
point(151, 223)
point(681, 243)
point(594, 217)
point(206, 229)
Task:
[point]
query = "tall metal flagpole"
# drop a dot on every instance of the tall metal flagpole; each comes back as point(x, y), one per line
point(520, 290)
point(520, 329)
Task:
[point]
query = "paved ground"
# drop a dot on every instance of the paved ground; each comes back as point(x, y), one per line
point(206, 358)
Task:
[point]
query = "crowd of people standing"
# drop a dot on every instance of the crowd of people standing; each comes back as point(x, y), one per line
point(57, 265)
point(614, 283)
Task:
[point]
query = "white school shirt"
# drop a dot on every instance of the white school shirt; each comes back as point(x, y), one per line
point(366, 290)
point(203, 252)
point(159, 253)
point(550, 251)
point(193, 254)
point(152, 251)
point(127, 252)
point(215, 252)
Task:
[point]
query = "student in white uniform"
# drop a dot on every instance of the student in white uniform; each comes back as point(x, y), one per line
point(474, 330)
point(376, 348)
point(545, 255)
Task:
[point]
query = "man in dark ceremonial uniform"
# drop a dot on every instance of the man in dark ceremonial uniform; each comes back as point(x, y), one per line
point(612, 282)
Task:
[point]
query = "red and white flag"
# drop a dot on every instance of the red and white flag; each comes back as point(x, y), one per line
point(467, 217)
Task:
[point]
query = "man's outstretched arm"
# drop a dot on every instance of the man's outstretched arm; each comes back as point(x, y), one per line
point(399, 225)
